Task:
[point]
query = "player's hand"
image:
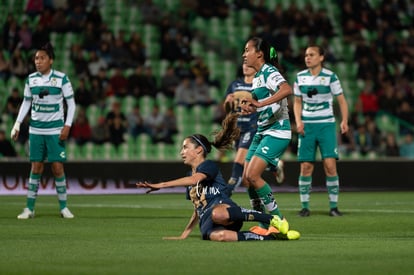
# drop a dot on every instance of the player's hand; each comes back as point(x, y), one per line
point(15, 131)
point(300, 128)
point(344, 127)
point(146, 184)
point(248, 105)
point(64, 133)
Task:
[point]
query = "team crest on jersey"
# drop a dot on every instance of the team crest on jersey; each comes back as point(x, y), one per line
point(323, 79)
point(258, 82)
point(53, 82)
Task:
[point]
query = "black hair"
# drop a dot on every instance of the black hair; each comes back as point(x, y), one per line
point(48, 48)
point(269, 52)
point(223, 139)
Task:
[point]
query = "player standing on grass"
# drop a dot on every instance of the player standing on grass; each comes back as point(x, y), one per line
point(314, 90)
point(220, 218)
point(44, 93)
point(269, 99)
point(247, 123)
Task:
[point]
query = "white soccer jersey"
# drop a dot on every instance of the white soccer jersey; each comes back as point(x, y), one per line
point(317, 95)
point(266, 83)
point(46, 93)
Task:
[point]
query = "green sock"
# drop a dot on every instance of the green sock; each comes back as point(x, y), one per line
point(266, 195)
point(61, 191)
point(304, 190)
point(34, 181)
point(332, 183)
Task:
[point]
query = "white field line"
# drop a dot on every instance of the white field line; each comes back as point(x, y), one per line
point(180, 205)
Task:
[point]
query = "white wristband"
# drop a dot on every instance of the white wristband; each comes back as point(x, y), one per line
point(16, 128)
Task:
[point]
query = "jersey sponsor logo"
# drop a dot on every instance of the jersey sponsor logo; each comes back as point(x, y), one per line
point(41, 108)
point(277, 78)
point(313, 107)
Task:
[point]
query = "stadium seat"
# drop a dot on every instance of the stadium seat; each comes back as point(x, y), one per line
point(244, 17)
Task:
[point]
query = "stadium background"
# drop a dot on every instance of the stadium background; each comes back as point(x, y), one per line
point(218, 39)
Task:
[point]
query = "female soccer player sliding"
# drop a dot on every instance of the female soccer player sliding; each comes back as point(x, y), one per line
point(220, 218)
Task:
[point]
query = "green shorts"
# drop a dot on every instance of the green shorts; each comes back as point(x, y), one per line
point(46, 147)
point(268, 148)
point(322, 135)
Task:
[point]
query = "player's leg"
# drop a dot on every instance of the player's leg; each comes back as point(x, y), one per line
point(332, 185)
point(223, 235)
point(305, 187)
point(243, 144)
point(237, 169)
point(328, 145)
point(57, 155)
point(37, 151)
point(306, 156)
point(32, 189)
point(228, 213)
point(255, 201)
point(278, 171)
point(267, 153)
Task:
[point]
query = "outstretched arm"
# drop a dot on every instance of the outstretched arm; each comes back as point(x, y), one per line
point(188, 229)
point(185, 181)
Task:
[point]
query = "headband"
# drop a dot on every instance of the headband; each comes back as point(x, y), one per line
point(199, 142)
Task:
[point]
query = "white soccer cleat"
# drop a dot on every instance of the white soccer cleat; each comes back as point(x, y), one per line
point(26, 214)
point(280, 173)
point(66, 214)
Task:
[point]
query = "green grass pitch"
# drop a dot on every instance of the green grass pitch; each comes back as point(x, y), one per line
point(122, 234)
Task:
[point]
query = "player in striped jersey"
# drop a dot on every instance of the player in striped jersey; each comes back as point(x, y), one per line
point(44, 94)
point(247, 123)
point(314, 90)
point(269, 99)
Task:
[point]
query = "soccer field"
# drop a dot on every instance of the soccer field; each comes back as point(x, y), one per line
point(122, 234)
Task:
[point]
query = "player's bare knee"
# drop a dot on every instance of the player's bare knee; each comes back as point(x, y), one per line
point(220, 215)
point(218, 236)
point(251, 179)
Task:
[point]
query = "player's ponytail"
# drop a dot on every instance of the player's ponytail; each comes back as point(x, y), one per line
point(223, 139)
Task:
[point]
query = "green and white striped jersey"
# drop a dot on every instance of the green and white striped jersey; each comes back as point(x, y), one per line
point(265, 84)
point(46, 93)
point(317, 95)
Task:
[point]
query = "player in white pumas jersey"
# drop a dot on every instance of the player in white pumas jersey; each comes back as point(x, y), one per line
point(44, 93)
